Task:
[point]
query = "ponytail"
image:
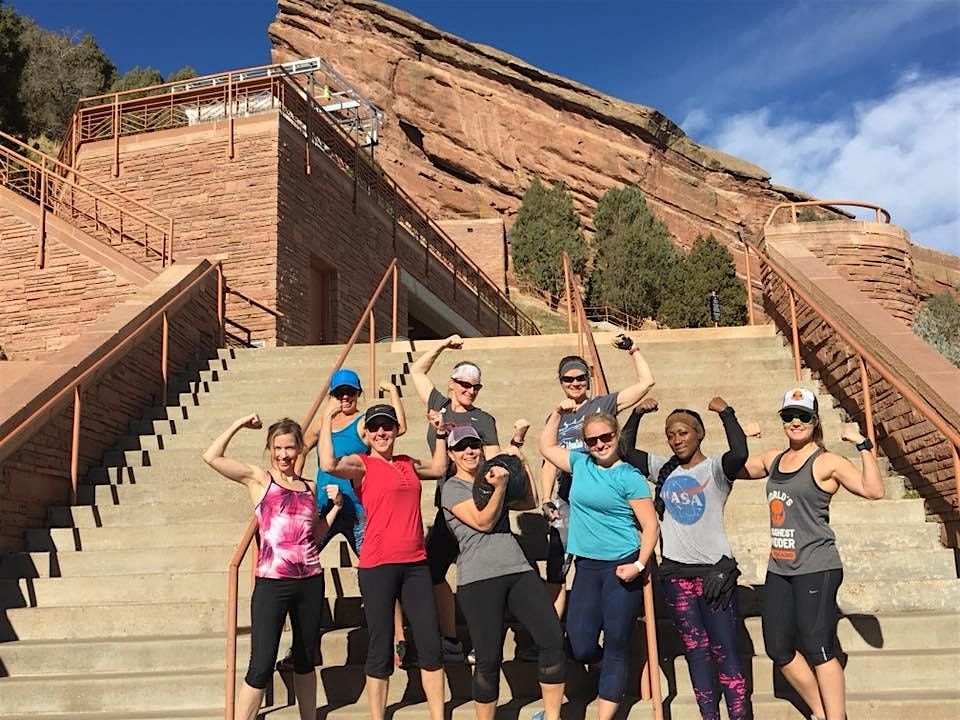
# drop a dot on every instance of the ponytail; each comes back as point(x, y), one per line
point(668, 467)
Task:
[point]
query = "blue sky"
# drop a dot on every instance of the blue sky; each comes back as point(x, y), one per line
point(839, 98)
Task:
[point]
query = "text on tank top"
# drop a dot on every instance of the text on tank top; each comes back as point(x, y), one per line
point(801, 540)
point(288, 548)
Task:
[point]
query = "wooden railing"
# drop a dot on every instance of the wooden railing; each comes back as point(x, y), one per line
point(100, 211)
point(867, 359)
point(650, 675)
point(272, 88)
point(367, 317)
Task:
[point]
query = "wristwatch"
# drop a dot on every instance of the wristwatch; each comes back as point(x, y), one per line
point(865, 444)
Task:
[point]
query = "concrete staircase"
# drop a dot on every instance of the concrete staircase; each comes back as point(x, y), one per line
point(117, 610)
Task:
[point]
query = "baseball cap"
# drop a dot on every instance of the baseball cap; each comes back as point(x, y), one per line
point(460, 432)
point(382, 411)
point(467, 372)
point(800, 399)
point(344, 378)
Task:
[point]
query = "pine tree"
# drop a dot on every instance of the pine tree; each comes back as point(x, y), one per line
point(546, 225)
point(707, 267)
point(13, 57)
point(634, 254)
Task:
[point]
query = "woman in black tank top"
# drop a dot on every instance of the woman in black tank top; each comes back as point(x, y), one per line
point(804, 572)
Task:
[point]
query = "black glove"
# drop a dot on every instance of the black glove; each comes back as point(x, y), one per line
point(623, 342)
point(483, 490)
point(720, 583)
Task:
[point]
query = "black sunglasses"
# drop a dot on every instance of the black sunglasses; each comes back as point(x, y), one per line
point(606, 437)
point(344, 391)
point(388, 425)
point(469, 386)
point(468, 444)
point(570, 379)
point(804, 416)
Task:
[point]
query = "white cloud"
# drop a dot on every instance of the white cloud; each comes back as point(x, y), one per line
point(901, 151)
point(696, 121)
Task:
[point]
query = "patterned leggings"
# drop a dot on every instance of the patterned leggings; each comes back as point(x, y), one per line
point(710, 644)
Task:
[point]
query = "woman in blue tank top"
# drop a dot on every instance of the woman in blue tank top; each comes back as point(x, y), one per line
point(804, 572)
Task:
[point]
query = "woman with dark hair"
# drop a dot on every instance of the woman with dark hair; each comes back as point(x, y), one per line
point(392, 562)
point(698, 573)
point(608, 497)
point(289, 578)
point(493, 574)
point(804, 572)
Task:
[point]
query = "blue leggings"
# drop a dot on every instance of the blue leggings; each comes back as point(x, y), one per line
point(710, 644)
point(599, 600)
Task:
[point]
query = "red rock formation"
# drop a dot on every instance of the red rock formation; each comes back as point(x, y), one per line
point(467, 126)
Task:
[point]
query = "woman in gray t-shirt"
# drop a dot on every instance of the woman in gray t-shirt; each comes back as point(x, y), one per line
point(493, 575)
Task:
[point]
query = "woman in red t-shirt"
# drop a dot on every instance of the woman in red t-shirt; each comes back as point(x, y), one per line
point(392, 562)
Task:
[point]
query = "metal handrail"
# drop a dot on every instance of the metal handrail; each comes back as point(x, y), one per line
point(233, 569)
point(881, 213)
point(867, 359)
point(650, 675)
point(54, 193)
point(70, 386)
point(607, 313)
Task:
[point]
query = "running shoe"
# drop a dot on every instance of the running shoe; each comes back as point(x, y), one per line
point(452, 650)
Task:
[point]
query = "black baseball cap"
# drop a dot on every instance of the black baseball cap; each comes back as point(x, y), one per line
point(382, 411)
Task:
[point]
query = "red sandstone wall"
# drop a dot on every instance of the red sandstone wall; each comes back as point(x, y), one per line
point(37, 475)
point(484, 240)
point(914, 447)
point(42, 311)
point(219, 206)
point(875, 256)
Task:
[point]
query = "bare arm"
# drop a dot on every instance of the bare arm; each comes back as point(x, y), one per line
point(551, 451)
point(420, 368)
point(438, 463)
point(632, 394)
point(485, 520)
point(529, 499)
point(647, 517)
point(349, 467)
point(867, 483)
point(394, 394)
point(235, 470)
point(757, 467)
point(323, 524)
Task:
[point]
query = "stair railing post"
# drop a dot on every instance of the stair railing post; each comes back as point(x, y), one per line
point(221, 320)
point(230, 93)
point(746, 258)
point(116, 135)
point(164, 358)
point(394, 309)
point(373, 347)
point(42, 244)
point(867, 404)
point(75, 446)
point(795, 333)
point(653, 652)
point(170, 232)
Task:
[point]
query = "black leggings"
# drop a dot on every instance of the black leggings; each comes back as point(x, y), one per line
point(381, 587)
point(800, 613)
point(442, 549)
point(483, 603)
point(272, 600)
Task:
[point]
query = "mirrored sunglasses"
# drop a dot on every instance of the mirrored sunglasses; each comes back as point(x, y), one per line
point(476, 387)
point(570, 379)
point(468, 444)
point(804, 416)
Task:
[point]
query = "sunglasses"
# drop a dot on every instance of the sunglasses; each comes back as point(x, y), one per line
point(605, 438)
point(468, 444)
point(469, 386)
point(344, 392)
point(570, 379)
point(804, 416)
point(387, 425)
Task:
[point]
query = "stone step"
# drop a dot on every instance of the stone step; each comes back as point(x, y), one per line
point(155, 587)
point(167, 619)
point(66, 540)
point(94, 563)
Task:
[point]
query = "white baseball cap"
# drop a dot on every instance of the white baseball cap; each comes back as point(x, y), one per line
point(800, 399)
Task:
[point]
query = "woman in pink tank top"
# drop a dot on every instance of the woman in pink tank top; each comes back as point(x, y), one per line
point(289, 577)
